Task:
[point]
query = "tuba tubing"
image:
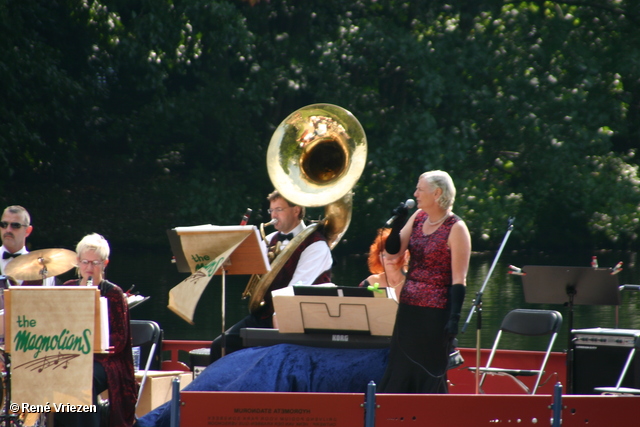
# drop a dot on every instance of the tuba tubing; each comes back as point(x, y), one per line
point(315, 158)
point(274, 221)
point(261, 285)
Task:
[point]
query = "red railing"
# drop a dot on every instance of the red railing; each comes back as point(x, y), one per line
point(178, 348)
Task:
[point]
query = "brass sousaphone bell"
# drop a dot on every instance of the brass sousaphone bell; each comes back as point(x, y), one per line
point(315, 157)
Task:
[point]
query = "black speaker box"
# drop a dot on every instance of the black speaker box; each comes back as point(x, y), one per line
point(601, 366)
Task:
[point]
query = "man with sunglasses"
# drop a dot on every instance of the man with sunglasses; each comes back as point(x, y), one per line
point(15, 227)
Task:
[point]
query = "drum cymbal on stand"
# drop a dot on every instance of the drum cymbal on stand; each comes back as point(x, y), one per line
point(41, 264)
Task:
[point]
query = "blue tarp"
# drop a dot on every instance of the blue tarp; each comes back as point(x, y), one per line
point(285, 368)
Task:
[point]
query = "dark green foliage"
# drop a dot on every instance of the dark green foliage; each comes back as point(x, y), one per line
point(131, 117)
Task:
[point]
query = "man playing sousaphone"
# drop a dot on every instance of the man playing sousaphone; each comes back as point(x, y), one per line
point(310, 263)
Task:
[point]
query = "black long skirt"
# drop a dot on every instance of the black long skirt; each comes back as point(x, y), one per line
point(419, 352)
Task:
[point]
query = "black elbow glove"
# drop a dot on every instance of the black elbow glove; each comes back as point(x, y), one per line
point(392, 245)
point(456, 298)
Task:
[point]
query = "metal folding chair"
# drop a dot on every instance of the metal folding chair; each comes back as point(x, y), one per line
point(524, 322)
point(618, 389)
point(147, 335)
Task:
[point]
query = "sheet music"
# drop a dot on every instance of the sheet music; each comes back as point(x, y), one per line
point(210, 227)
point(263, 248)
point(2, 327)
point(104, 324)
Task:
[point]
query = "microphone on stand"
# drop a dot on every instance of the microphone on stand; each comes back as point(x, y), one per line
point(408, 204)
point(245, 217)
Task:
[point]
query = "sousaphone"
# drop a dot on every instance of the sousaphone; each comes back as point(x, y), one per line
point(315, 157)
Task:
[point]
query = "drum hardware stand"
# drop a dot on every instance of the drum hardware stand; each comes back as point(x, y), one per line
point(5, 380)
point(477, 304)
point(44, 271)
point(8, 417)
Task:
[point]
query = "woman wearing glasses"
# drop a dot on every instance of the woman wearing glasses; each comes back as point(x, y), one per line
point(113, 371)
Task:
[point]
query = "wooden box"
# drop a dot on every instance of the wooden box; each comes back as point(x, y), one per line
point(158, 388)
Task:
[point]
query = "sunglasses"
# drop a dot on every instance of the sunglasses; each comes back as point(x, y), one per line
point(14, 225)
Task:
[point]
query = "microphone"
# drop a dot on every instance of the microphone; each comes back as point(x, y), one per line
point(409, 204)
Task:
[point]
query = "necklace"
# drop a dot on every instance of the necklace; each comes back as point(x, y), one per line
point(446, 214)
point(400, 282)
point(403, 278)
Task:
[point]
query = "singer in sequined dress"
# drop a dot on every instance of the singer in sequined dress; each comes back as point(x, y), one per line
point(113, 371)
point(431, 299)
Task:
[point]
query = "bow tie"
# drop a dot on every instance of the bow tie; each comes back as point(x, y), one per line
point(9, 255)
point(282, 237)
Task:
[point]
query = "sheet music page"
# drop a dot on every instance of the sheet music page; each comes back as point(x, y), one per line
point(287, 291)
point(104, 324)
point(2, 327)
point(210, 227)
point(263, 246)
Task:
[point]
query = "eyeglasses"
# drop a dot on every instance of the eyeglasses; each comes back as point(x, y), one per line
point(86, 262)
point(14, 225)
point(277, 210)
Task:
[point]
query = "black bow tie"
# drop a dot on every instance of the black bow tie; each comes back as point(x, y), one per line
point(282, 237)
point(9, 255)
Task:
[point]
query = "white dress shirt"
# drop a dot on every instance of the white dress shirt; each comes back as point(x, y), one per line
point(314, 260)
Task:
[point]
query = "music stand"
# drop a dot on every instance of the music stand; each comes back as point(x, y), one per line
point(570, 286)
point(208, 250)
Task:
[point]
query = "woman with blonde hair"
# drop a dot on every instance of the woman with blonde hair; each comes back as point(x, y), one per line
point(432, 296)
point(112, 371)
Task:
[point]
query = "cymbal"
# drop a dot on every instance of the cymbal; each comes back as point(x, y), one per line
point(50, 262)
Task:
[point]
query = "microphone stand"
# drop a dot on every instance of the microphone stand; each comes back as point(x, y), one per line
point(477, 304)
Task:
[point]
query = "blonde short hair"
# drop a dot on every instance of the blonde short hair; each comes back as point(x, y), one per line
point(441, 180)
point(94, 242)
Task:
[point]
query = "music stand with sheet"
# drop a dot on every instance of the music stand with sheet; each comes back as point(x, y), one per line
point(208, 250)
point(570, 286)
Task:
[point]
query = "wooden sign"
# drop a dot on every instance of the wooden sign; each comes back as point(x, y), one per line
point(51, 334)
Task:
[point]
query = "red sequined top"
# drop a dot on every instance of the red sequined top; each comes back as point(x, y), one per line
point(429, 276)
